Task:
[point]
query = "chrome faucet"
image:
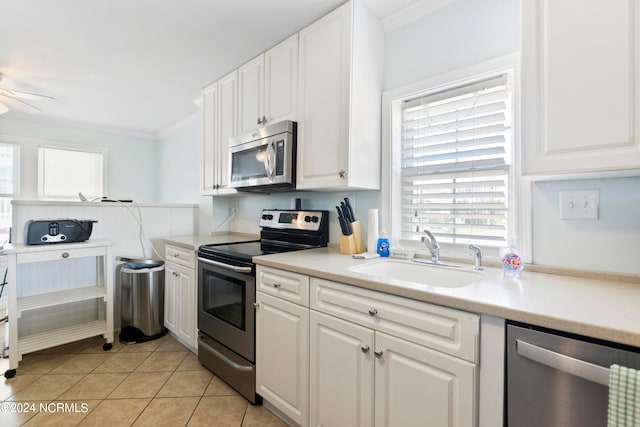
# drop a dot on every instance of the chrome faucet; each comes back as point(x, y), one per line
point(477, 257)
point(433, 246)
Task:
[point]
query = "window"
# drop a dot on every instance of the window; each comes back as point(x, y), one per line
point(9, 172)
point(452, 170)
point(63, 173)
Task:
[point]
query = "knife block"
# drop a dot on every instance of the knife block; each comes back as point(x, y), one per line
point(357, 235)
point(352, 244)
point(347, 244)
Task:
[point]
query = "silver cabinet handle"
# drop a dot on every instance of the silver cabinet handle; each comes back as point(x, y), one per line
point(342, 174)
point(562, 362)
point(65, 254)
point(365, 349)
point(276, 285)
point(378, 353)
point(256, 304)
point(373, 312)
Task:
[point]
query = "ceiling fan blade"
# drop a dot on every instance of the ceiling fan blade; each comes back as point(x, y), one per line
point(31, 96)
point(30, 108)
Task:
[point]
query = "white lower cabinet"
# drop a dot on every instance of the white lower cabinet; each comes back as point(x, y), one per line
point(414, 384)
point(356, 357)
point(282, 356)
point(180, 294)
point(341, 362)
point(362, 376)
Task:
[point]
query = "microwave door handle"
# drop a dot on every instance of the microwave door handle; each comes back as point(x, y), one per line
point(270, 160)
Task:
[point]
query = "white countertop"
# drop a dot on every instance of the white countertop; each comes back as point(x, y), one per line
point(193, 242)
point(598, 308)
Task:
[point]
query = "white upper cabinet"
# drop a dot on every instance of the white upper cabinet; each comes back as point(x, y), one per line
point(580, 86)
point(219, 123)
point(281, 81)
point(209, 129)
point(267, 87)
point(250, 94)
point(227, 127)
point(339, 89)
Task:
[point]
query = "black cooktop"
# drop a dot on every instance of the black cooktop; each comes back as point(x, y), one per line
point(245, 251)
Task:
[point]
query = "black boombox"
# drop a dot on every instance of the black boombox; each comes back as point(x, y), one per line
point(45, 231)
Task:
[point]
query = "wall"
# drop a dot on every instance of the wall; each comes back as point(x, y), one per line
point(607, 244)
point(131, 159)
point(179, 172)
point(461, 34)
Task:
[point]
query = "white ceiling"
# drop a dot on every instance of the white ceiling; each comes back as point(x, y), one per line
point(138, 65)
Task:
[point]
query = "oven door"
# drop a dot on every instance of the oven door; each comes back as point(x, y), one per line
point(264, 162)
point(226, 312)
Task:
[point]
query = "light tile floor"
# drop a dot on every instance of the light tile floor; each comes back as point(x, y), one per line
point(157, 383)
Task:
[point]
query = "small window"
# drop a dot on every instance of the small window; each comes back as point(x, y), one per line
point(66, 172)
point(454, 162)
point(9, 173)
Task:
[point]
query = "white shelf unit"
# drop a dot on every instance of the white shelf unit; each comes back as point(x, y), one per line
point(101, 290)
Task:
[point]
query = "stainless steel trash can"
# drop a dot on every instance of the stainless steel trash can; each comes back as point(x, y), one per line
point(141, 300)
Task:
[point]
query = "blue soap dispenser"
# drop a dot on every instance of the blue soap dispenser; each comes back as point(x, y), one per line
point(383, 244)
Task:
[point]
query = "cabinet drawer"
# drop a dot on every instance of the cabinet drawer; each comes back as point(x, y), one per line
point(289, 286)
point(182, 256)
point(59, 254)
point(448, 330)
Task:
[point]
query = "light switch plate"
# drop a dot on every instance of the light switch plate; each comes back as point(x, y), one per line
point(579, 204)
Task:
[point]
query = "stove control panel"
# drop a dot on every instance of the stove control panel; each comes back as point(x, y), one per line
point(293, 220)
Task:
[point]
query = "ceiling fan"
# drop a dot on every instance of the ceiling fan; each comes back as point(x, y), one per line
point(12, 99)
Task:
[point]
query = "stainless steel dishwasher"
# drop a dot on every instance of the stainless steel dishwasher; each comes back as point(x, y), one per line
point(559, 379)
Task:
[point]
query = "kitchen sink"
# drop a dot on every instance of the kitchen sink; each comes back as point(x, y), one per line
point(415, 272)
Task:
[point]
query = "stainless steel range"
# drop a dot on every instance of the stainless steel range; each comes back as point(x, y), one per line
point(226, 292)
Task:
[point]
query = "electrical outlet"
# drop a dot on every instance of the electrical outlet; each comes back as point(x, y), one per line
point(579, 204)
point(235, 207)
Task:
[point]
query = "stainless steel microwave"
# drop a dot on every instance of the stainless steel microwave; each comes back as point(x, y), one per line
point(264, 160)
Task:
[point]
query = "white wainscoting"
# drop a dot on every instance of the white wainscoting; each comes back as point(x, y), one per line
point(116, 222)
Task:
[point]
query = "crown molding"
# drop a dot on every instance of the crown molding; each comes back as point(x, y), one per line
point(411, 13)
point(24, 117)
point(180, 124)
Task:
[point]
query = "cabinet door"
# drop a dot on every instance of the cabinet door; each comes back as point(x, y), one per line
point(186, 305)
point(341, 370)
point(170, 294)
point(415, 385)
point(323, 101)
point(227, 126)
point(250, 95)
point(282, 356)
point(281, 81)
point(209, 133)
point(580, 86)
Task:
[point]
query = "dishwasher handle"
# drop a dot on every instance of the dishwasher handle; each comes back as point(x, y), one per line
point(570, 365)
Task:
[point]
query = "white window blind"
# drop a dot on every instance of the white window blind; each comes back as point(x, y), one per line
point(456, 154)
point(8, 186)
point(63, 173)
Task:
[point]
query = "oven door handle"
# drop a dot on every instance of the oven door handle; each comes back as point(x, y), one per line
point(226, 266)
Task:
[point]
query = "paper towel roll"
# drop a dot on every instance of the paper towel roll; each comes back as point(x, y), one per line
point(372, 230)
